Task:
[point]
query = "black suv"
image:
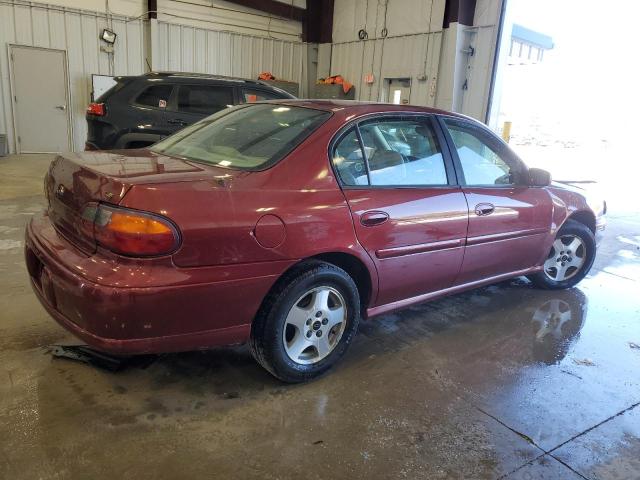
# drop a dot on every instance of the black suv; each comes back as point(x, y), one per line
point(139, 111)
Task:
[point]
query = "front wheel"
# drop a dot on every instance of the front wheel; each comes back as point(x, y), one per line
point(306, 323)
point(570, 259)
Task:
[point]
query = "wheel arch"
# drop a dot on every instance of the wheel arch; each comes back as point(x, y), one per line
point(585, 217)
point(366, 281)
point(356, 270)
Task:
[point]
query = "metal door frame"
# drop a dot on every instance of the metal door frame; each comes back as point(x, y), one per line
point(386, 85)
point(67, 83)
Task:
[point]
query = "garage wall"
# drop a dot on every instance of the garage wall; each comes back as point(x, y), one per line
point(443, 73)
point(76, 31)
point(219, 15)
point(192, 49)
point(411, 48)
point(208, 36)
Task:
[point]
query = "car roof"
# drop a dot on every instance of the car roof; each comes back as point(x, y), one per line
point(354, 108)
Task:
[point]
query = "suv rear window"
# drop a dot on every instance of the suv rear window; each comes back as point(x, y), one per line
point(155, 96)
point(250, 137)
point(204, 99)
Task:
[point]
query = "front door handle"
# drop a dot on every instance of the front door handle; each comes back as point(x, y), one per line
point(176, 121)
point(483, 209)
point(61, 107)
point(373, 218)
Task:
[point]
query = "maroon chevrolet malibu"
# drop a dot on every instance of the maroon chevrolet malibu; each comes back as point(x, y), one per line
point(283, 224)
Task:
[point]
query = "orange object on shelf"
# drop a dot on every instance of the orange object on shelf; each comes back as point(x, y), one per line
point(266, 76)
point(339, 80)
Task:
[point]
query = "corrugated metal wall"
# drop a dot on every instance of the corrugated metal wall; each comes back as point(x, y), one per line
point(220, 15)
point(192, 49)
point(410, 56)
point(76, 31)
point(404, 39)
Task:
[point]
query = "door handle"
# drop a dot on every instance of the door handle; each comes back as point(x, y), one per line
point(61, 107)
point(483, 209)
point(176, 121)
point(373, 218)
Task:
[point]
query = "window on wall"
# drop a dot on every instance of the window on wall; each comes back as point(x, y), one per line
point(484, 160)
point(398, 152)
point(204, 99)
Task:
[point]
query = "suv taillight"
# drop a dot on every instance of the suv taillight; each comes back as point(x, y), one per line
point(132, 232)
point(96, 109)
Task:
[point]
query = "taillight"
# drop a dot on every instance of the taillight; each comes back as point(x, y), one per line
point(135, 233)
point(96, 109)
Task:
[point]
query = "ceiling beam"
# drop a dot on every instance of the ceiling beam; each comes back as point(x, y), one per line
point(461, 11)
point(319, 25)
point(273, 7)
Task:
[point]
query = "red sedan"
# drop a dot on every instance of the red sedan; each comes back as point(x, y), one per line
point(283, 224)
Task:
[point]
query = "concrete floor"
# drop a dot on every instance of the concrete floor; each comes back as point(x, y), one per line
point(501, 382)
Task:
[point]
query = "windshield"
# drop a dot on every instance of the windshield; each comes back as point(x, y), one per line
point(247, 138)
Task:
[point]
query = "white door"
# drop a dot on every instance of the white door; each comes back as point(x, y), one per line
point(399, 91)
point(40, 99)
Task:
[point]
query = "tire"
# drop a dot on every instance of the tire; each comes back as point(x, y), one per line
point(552, 279)
point(277, 335)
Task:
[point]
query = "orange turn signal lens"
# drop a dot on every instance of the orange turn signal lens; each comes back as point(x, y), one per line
point(136, 224)
point(130, 232)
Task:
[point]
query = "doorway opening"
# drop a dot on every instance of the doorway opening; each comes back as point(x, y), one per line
point(397, 90)
point(40, 98)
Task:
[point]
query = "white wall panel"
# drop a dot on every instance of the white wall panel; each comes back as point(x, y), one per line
point(410, 49)
point(226, 16)
point(201, 50)
point(76, 31)
point(399, 17)
point(411, 56)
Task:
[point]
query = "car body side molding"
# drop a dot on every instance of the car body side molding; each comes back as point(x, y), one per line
point(419, 248)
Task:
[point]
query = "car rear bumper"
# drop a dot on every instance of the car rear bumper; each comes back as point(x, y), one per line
point(164, 315)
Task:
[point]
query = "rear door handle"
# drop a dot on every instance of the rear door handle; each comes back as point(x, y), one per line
point(176, 121)
point(483, 209)
point(373, 218)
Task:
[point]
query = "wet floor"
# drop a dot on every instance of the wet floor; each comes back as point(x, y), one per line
point(501, 382)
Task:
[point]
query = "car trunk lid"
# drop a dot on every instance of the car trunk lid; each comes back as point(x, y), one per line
point(77, 182)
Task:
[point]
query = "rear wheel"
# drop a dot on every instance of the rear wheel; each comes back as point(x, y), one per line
point(307, 322)
point(570, 258)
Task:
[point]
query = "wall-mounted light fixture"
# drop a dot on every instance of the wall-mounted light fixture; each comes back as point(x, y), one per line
point(108, 36)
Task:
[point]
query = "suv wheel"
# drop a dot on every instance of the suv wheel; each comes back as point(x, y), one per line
point(306, 323)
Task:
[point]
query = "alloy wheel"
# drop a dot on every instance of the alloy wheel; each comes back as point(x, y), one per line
point(314, 325)
point(568, 255)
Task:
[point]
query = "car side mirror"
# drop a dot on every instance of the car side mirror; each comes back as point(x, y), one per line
point(539, 177)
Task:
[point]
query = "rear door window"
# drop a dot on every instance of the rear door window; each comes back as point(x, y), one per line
point(155, 96)
point(403, 152)
point(204, 99)
point(349, 160)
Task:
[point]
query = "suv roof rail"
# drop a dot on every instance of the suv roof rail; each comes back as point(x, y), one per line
point(201, 75)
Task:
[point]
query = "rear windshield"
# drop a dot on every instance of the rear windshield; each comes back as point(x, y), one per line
point(250, 137)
